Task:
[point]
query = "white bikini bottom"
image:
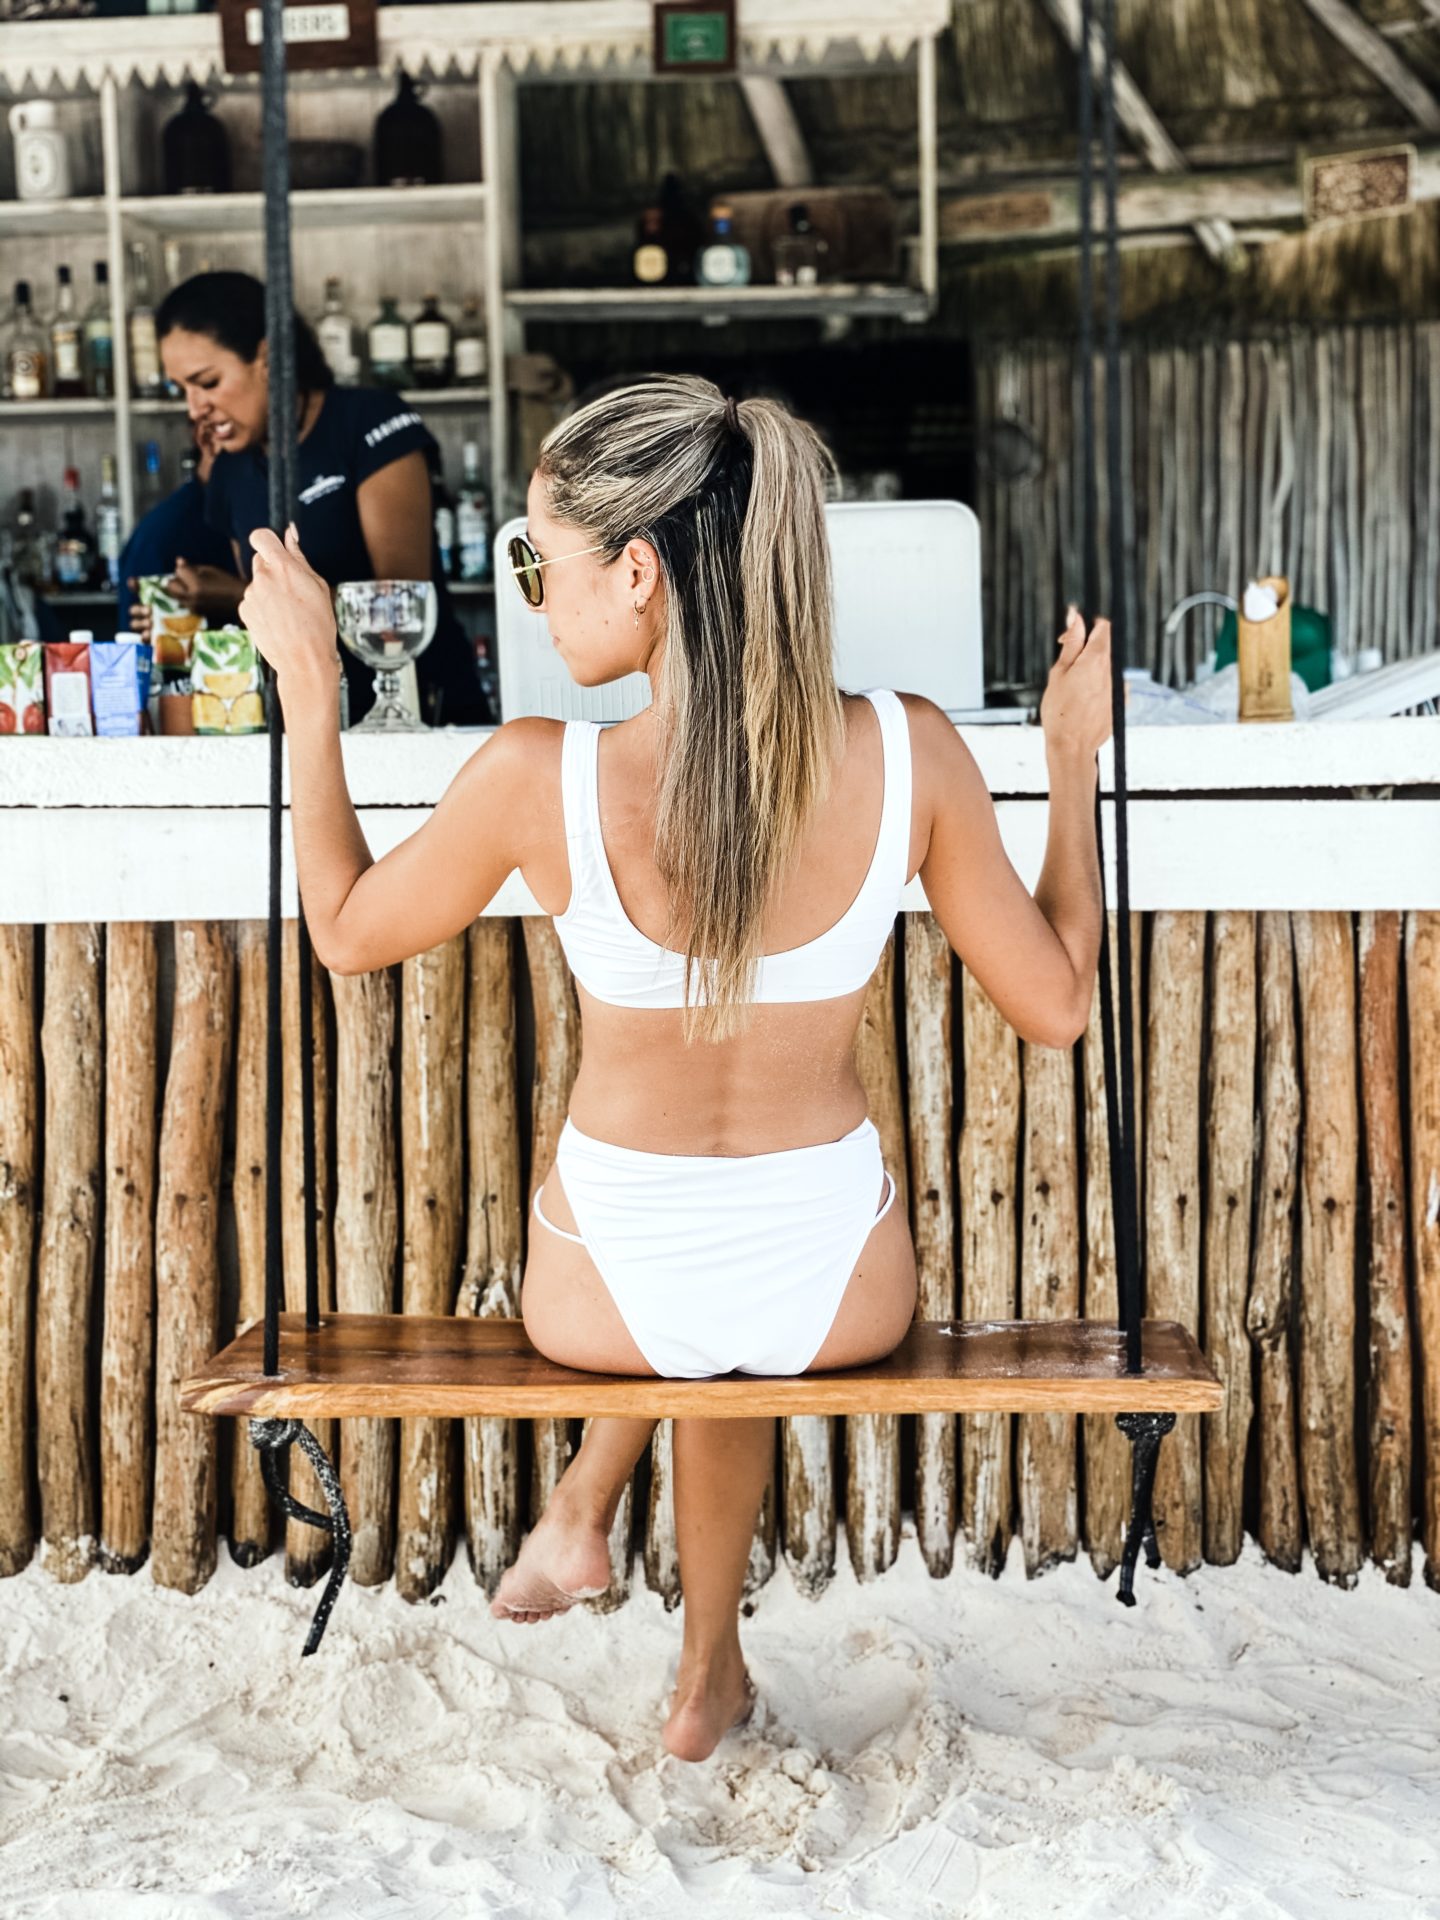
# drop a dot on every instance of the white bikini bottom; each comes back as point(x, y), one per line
point(723, 1263)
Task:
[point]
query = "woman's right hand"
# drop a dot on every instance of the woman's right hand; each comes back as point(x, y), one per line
point(1075, 708)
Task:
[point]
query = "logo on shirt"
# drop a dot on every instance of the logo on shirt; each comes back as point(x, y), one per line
point(395, 424)
point(317, 489)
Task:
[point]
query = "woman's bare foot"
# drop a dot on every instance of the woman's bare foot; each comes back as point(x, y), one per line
point(705, 1705)
point(565, 1558)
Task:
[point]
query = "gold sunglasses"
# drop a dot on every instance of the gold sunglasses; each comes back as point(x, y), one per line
point(525, 564)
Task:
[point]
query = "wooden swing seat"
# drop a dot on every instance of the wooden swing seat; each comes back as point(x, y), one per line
point(443, 1366)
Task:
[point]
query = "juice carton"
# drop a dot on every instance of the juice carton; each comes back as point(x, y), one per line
point(173, 626)
point(225, 678)
point(118, 686)
point(67, 686)
point(22, 688)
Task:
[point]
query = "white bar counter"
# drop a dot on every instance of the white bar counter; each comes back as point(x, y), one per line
point(1305, 814)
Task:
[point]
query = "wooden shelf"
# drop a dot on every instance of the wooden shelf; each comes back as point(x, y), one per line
point(446, 396)
point(471, 589)
point(46, 217)
point(49, 411)
point(714, 304)
point(316, 207)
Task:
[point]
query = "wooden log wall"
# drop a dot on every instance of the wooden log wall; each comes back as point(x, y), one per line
point(1289, 1152)
point(1314, 453)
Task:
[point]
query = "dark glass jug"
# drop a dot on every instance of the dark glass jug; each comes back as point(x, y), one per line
point(407, 141)
point(196, 147)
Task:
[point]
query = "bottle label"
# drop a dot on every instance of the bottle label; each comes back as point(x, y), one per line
point(102, 355)
point(474, 539)
point(651, 264)
point(66, 348)
point(335, 345)
point(70, 569)
point(720, 265)
point(470, 357)
point(144, 352)
point(445, 539)
point(27, 379)
point(389, 343)
point(430, 341)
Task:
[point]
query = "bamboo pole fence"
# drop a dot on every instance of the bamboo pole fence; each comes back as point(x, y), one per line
point(1289, 1159)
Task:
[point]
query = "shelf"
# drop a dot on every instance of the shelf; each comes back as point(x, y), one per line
point(446, 396)
point(471, 589)
point(720, 303)
point(49, 411)
point(316, 207)
point(62, 597)
point(46, 217)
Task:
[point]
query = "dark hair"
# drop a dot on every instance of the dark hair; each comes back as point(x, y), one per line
point(230, 309)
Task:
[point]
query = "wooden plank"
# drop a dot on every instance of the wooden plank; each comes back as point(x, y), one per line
point(1230, 1123)
point(19, 1197)
point(438, 1364)
point(187, 1254)
point(71, 1046)
point(494, 1238)
point(807, 1475)
point(127, 1369)
point(1389, 1396)
point(929, 965)
point(432, 1004)
point(872, 1443)
point(1045, 1457)
point(367, 1241)
point(1329, 1478)
point(988, 1168)
point(662, 1556)
point(1171, 1198)
point(253, 1519)
point(1374, 52)
point(1422, 975)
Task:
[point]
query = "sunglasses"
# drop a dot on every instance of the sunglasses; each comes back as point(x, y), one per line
point(525, 564)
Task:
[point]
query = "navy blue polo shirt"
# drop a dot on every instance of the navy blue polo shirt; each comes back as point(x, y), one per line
point(359, 431)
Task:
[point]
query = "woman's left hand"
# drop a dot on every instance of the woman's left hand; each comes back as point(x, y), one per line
point(289, 613)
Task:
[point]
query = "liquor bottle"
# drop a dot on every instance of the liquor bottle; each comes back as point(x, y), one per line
point(722, 261)
point(650, 263)
point(67, 371)
point(444, 508)
point(99, 344)
point(147, 377)
point(27, 544)
point(107, 524)
point(339, 338)
point(196, 146)
point(75, 546)
point(26, 364)
point(431, 345)
point(388, 346)
point(150, 490)
point(472, 359)
point(682, 231)
point(798, 253)
point(408, 142)
point(472, 518)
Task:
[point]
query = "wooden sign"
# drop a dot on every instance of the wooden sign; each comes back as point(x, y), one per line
point(327, 33)
point(1355, 186)
point(692, 36)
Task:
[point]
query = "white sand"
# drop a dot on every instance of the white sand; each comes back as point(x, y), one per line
point(1241, 1743)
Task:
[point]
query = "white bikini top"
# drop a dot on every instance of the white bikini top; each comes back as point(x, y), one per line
point(613, 960)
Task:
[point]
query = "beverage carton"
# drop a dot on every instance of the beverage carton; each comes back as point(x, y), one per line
point(22, 688)
point(173, 626)
point(67, 687)
point(225, 679)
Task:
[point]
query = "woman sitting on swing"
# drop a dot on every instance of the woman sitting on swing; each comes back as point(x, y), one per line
point(724, 870)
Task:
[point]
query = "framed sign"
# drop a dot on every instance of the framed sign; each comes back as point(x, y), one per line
point(324, 33)
point(1355, 186)
point(694, 36)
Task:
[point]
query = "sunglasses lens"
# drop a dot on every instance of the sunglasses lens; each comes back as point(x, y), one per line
point(527, 571)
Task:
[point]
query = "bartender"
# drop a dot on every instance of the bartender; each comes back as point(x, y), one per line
point(363, 482)
point(175, 540)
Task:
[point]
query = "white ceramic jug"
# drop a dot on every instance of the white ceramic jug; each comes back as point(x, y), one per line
point(42, 160)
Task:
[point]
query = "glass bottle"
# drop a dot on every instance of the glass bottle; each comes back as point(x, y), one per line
point(722, 261)
point(75, 544)
point(408, 145)
point(67, 371)
point(99, 344)
point(107, 523)
point(650, 263)
point(150, 488)
point(196, 146)
point(147, 377)
point(339, 337)
point(798, 253)
point(682, 231)
point(27, 543)
point(431, 341)
point(472, 518)
point(444, 511)
point(389, 346)
point(26, 362)
point(472, 359)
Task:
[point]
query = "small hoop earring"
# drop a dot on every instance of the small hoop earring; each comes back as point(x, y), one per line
point(639, 609)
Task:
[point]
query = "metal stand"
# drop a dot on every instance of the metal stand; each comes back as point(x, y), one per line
point(274, 1438)
point(1144, 1431)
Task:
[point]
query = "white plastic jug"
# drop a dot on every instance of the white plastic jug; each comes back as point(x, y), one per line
point(42, 160)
